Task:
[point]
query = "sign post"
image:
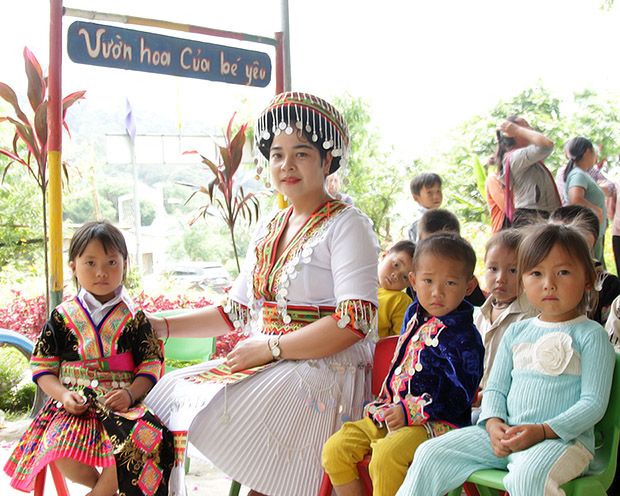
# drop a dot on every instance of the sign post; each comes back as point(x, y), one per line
point(110, 46)
point(54, 149)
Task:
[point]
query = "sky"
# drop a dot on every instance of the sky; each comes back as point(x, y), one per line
point(423, 66)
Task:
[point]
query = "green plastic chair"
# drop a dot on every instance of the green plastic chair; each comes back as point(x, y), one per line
point(602, 469)
point(186, 349)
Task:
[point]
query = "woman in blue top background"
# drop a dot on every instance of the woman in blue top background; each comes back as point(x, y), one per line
point(581, 189)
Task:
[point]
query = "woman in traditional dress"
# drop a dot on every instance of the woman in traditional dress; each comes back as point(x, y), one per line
point(308, 294)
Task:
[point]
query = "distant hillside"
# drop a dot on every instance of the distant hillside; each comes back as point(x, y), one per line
point(89, 123)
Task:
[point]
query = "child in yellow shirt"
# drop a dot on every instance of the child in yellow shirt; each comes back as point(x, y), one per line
point(394, 271)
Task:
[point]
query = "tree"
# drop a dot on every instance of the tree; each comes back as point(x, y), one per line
point(596, 117)
point(474, 141)
point(206, 242)
point(20, 226)
point(375, 181)
point(33, 134)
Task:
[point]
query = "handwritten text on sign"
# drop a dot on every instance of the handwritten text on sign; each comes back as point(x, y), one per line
point(109, 46)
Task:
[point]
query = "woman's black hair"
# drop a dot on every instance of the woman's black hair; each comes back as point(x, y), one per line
point(575, 149)
point(504, 145)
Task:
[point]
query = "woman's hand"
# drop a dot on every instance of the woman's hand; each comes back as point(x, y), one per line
point(497, 432)
point(521, 437)
point(74, 403)
point(117, 400)
point(525, 132)
point(249, 353)
point(159, 326)
point(395, 417)
point(604, 186)
point(508, 128)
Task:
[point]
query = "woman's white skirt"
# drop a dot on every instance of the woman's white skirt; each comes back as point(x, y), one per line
point(267, 431)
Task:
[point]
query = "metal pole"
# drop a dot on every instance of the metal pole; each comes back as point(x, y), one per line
point(286, 45)
point(282, 203)
point(280, 63)
point(54, 124)
point(175, 26)
point(136, 208)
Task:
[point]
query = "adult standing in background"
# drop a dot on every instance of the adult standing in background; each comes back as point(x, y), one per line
point(581, 189)
point(595, 172)
point(530, 188)
point(333, 188)
point(496, 200)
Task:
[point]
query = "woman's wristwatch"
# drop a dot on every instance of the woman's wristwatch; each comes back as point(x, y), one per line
point(274, 347)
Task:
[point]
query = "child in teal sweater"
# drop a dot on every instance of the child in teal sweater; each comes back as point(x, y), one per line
point(549, 385)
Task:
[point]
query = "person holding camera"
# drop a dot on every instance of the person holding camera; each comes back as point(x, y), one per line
point(530, 188)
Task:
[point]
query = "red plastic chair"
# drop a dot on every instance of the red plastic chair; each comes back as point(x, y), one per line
point(59, 481)
point(384, 351)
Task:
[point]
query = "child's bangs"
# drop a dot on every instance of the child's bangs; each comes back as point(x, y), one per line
point(537, 245)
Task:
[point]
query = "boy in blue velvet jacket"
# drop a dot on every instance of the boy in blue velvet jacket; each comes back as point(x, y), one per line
point(433, 377)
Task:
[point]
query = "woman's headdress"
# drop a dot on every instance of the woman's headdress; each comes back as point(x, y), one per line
point(294, 111)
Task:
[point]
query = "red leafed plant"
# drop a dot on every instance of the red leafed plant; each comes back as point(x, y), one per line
point(24, 315)
point(27, 315)
point(226, 194)
point(33, 133)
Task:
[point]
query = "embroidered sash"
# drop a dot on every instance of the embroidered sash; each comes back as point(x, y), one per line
point(300, 316)
point(222, 375)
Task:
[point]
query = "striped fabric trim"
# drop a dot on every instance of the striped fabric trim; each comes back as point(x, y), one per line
point(44, 365)
point(152, 369)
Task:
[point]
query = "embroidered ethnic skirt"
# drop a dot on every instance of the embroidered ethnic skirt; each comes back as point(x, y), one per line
point(266, 431)
point(135, 442)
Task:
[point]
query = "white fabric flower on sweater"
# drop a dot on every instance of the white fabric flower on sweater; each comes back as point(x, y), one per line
point(553, 353)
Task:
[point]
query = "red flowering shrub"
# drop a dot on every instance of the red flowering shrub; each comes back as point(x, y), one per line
point(27, 316)
point(24, 315)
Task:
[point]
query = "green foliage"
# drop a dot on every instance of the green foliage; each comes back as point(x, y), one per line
point(473, 142)
point(206, 241)
point(147, 212)
point(79, 207)
point(21, 232)
point(13, 368)
point(79, 203)
point(179, 364)
point(596, 117)
point(375, 180)
point(24, 397)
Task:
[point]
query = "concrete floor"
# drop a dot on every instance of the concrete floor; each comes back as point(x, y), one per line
point(203, 479)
